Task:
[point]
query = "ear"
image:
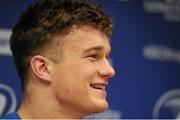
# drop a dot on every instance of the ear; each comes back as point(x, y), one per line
point(40, 65)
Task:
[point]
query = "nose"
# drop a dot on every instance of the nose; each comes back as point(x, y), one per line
point(106, 70)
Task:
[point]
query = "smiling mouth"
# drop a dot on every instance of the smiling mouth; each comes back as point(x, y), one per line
point(98, 86)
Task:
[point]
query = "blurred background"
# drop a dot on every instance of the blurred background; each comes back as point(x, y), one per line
point(145, 54)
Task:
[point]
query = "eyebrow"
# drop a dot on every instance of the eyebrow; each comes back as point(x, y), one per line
point(97, 48)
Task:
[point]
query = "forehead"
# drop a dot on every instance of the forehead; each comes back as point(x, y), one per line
point(86, 37)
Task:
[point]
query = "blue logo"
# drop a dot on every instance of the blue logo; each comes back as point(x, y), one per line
point(7, 96)
point(168, 103)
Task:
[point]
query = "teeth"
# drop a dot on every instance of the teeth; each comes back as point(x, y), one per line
point(98, 86)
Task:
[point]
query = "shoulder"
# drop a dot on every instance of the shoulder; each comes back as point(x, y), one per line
point(13, 115)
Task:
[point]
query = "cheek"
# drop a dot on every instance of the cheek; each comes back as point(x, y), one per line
point(74, 78)
point(68, 81)
point(81, 73)
point(89, 71)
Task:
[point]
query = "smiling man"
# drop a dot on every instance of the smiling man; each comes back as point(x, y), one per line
point(61, 50)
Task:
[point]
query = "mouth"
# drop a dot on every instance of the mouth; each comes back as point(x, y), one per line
point(99, 89)
point(98, 86)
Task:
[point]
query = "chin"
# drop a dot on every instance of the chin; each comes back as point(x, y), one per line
point(100, 106)
point(95, 106)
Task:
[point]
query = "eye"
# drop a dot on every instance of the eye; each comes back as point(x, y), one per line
point(93, 56)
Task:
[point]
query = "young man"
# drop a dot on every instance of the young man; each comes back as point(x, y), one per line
point(61, 50)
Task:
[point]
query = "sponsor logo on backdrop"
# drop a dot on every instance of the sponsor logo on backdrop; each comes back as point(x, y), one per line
point(169, 100)
point(170, 9)
point(161, 53)
point(6, 91)
point(4, 42)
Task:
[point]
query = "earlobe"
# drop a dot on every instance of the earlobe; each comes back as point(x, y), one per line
point(39, 65)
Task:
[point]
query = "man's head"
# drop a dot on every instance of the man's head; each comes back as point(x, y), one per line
point(34, 32)
point(63, 45)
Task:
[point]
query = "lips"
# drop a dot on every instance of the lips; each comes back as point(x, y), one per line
point(100, 86)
